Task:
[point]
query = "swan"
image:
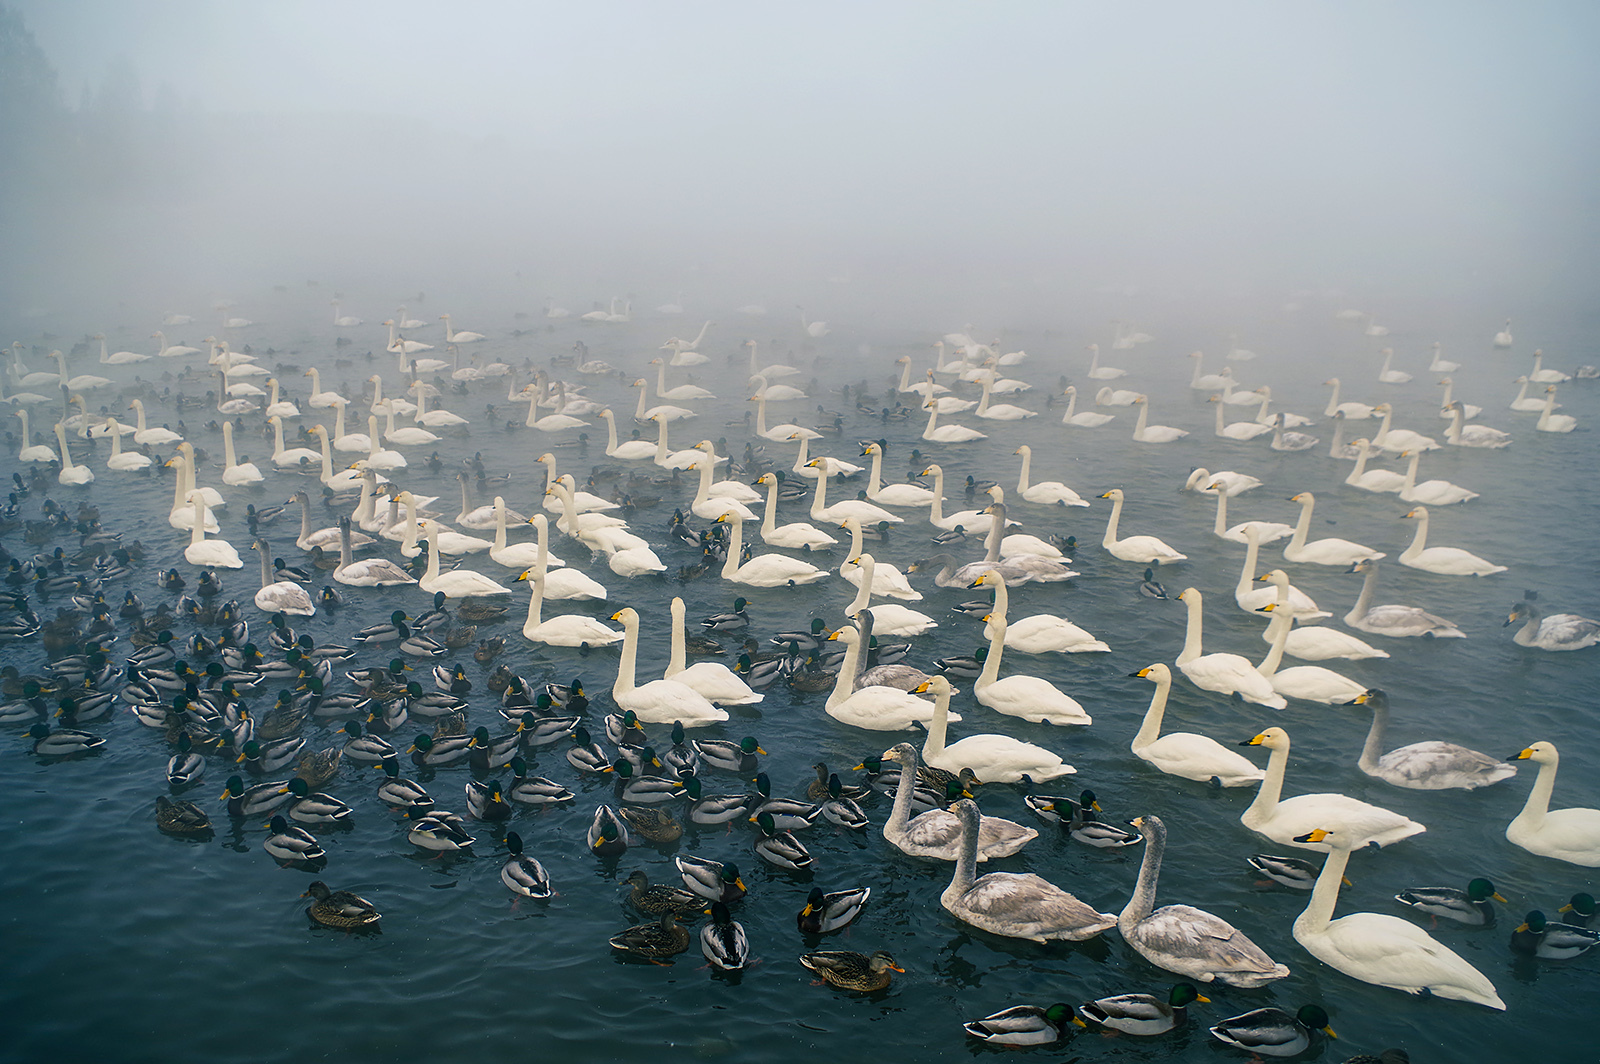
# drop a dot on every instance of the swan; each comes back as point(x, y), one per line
point(1239, 430)
point(887, 581)
point(1003, 411)
point(1522, 403)
point(775, 393)
point(279, 407)
point(1028, 697)
point(814, 329)
point(1379, 949)
point(1290, 441)
point(1288, 599)
point(1089, 419)
point(550, 422)
point(777, 370)
point(1016, 905)
point(1143, 433)
point(1441, 365)
point(320, 399)
point(1377, 481)
point(1553, 422)
point(1338, 449)
point(1224, 673)
point(378, 456)
point(399, 405)
point(1330, 551)
point(666, 412)
point(1285, 821)
point(1263, 417)
point(449, 542)
point(37, 452)
point(1374, 329)
point(1391, 376)
point(584, 501)
point(324, 537)
point(1097, 372)
point(485, 517)
point(871, 708)
point(128, 462)
point(1447, 561)
point(669, 459)
point(1427, 766)
point(1312, 642)
point(23, 398)
point(371, 572)
point(892, 494)
point(462, 337)
point(118, 358)
point(796, 536)
point(1396, 621)
point(781, 433)
point(171, 350)
point(433, 419)
point(764, 570)
point(74, 475)
point(1045, 492)
point(659, 701)
point(1503, 337)
point(412, 436)
point(936, 834)
point(1571, 835)
point(927, 389)
point(889, 618)
point(560, 584)
point(1397, 440)
point(1185, 754)
point(1146, 549)
point(518, 556)
point(84, 382)
point(682, 391)
point(938, 433)
point(1311, 683)
point(280, 596)
point(233, 473)
point(1233, 395)
point(568, 630)
point(993, 758)
point(1431, 492)
point(458, 583)
point(712, 507)
point(971, 521)
point(1538, 374)
point(1042, 633)
point(181, 516)
point(287, 458)
point(345, 478)
point(212, 553)
point(1109, 396)
point(1227, 481)
point(716, 682)
point(1208, 382)
point(631, 451)
point(344, 321)
point(1351, 411)
point(234, 407)
point(1183, 939)
point(857, 508)
point(600, 532)
point(355, 442)
point(1266, 531)
point(1556, 631)
point(1468, 411)
point(1473, 435)
point(403, 320)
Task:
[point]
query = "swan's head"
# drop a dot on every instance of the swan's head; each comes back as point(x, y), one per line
point(1539, 753)
point(654, 362)
point(1305, 498)
point(1189, 594)
point(1115, 495)
point(904, 753)
point(1272, 739)
point(1416, 513)
point(1158, 673)
point(1277, 576)
point(936, 684)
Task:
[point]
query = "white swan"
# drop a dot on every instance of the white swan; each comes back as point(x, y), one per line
point(1379, 949)
point(891, 494)
point(764, 570)
point(775, 393)
point(860, 510)
point(1390, 620)
point(1264, 417)
point(1208, 382)
point(796, 536)
point(1266, 531)
point(1312, 683)
point(1312, 642)
point(584, 501)
point(1397, 440)
point(1042, 633)
point(567, 630)
point(181, 515)
point(1387, 375)
point(377, 456)
point(38, 452)
point(1089, 419)
point(872, 708)
point(715, 681)
point(344, 478)
point(433, 419)
point(559, 584)
point(1230, 483)
point(970, 521)
point(71, 474)
point(776, 370)
point(890, 618)
point(723, 502)
point(1109, 396)
point(781, 433)
point(352, 442)
point(319, 398)
point(1522, 402)
point(280, 596)
point(462, 337)
point(518, 556)
point(1377, 481)
point(629, 451)
point(409, 435)
point(1439, 364)
point(286, 457)
point(1240, 430)
point(1290, 441)
point(1503, 337)
point(1425, 766)
point(1097, 372)
point(994, 758)
point(887, 581)
point(119, 358)
point(1550, 421)
point(1183, 939)
point(1289, 599)
point(1224, 673)
point(936, 834)
point(125, 462)
point(1186, 754)
point(1460, 435)
point(233, 473)
point(1352, 411)
point(1447, 561)
point(458, 583)
point(214, 553)
point(1571, 835)
point(1146, 549)
point(670, 459)
point(1538, 374)
point(938, 433)
point(1283, 821)
point(1001, 411)
point(1145, 433)
point(1330, 551)
point(1045, 492)
point(1029, 697)
point(682, 391)
point(83, 382)
point(659, 701)
point(1432, 492)
point(1468, 411)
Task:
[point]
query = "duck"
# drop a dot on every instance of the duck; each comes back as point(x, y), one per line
point(438, 832)
point(255, 801)
point(643, 789)
point(1571, 835)
point(1425, 766)
point(652, 825)
point(1272, 1032)
point(656, 900)
point(522, 874)
point(289, 844)
point(723, 940)
point(936, 833)
point(712, 880)
point(1290, 872)
point(849, 970)
point(1186, 940)
point(657, 940)
point(715, 809)
point(1538, 937)
point(607, 836)
point(1150, 587)
point(1186, 754)
point(1022, 1025)
point(400, 793)
point(1555, 631)
point(737, 757)
point(1143, 1014)
point(1470, 906)
point(778, 847)
point(1379, 949)
point(486, 801)
point(340, 909)
point(1283, 820)
point(1147, 549)
point(824, 913)
point(1582, 908)
point(994, 758)
point(178, 817)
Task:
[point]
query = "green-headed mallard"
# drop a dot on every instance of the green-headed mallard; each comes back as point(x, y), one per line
point(608, 836)
point(364, 749)
point(63, 742)
point(340, 909)
point(523, 874)
point(587, 755)
point(778, 847)
point(624, 729)
point(314, 807)
point(1272, 1032)
point(829, 912)
point(534, 790)
point(643, 789)
point(534, 730)
point(437, 831)
point(486, 801)
point(185, 767)
point(1470, 906)
point(727, 622)
point(788, 814)
point(1581, 907)
point(426, 751)
point(1023, 1025)
point(739, 757)
point(723, 940)
point(655, 900)
point(1539, 937)
point(180, 817)
point(399, 792)
point(259, 800)
point(715, 808)
point(682, 758)
point(712, 880)
point(852, 971)
point(653, 825)
point(1292, 872)
point(266, 758)
point(1087, 829)
point(664, 938)
point(1143, 1014)
point(288, 843)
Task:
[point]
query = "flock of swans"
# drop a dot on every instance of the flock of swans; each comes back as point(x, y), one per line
point(980, 547)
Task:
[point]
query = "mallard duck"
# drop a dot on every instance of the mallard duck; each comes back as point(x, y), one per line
point(1470, 906)
point(643, 789)
point(480, 612)
point(1023, 1025)
point(437, 831)
point(1582, 908)
point(653, 825)
point(778, 847)
point(739, 757)
point(63, 742)
point(817, 789)
point(758, 673)
point(1273, 1032)
point(655, 900)
point(727, 622)
point(485, 801)
point(318, 767)
point(1150, 587)
point(1292, 872)
point(711, 879)
point(264, 758)
point(366, 749)
point(1085, 828)
point(841, 810)
point(664, 938)
point(400, 793)
point(587, 755)
point(608, 836)
point(314, 807)
point(488, 649)
point(427, 751)
point(534, 790)
point(787, 813)
point(723, 940)
point(624, 729)
point(177, 817)
point(340, 909)
point(852, 971)
point(795, 640)
point(1539, 937)
point(288, 843)
point(683, 757)
point(330, 597)
point(185, 767)
point(485, 754)
point(1143, 1014)
point(716, 808)
point(829, 912)
point(523, 874)
point(452, 680)
point(259, 800)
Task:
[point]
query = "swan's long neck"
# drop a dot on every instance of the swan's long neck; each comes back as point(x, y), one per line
point(433, 554)
point(1549, 408)
point(1072, 404)
point(375, 444)
point(1337, 446)
point(1022, 479)
point(1369, 585)
point(905, 372)
point(1411, 470)
point(367, 506)
point(1221, 525)
point(1269, 664)
point(227, 443)
point(933, 418)
point(864, 592)
point(937, 726)
point(875, 485)
point(661, 381)
point(197, 534)
point(1360, 466)
point(965, 873)
point(1302, 529)
point(761, 414)
point(541, 556)
point(1267, 794)
point(1143, 901)
point(1192, 630)
point(804, 456)
point(1194, 380)
point(377, 393)
point(266, 570)
point(1220, 424)
point(704, 493)
point(499, 517)
point(338, 421)
point(991, 542)
point(675, 664)
point(1325, 895)
point(1374, 745)
point(179, 498)
point(769, 520)
point(409, 544)
point(936, 514)
point(138, 408)
point(116, 439)
point(997, 646)
point(1538, 803)
point(327, 453)
point(638, 414)
point(1144, 417)
point(983, 403)
point(900, 814)
point(611, 432)
point(735, 555)
point(1419, 542)
point(1154, 715)
point(819, 501)
point(1333, 401)
point(853, 525)
point(422, 399)
point(1383, 428)
point(569, 507)
point(277, 438)
point(1116, 515)
point(845, 682)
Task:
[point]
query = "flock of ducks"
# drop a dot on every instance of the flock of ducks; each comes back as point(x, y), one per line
point(205, 712)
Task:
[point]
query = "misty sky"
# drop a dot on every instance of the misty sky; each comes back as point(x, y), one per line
point(1446, 146)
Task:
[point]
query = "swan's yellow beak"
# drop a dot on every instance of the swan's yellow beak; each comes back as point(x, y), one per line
point(1314, 835)
point(833, 635)
point(1360, 699)
point(1255, 740)
point(921, 687)
point(1524, 755)
point(1143, 672)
